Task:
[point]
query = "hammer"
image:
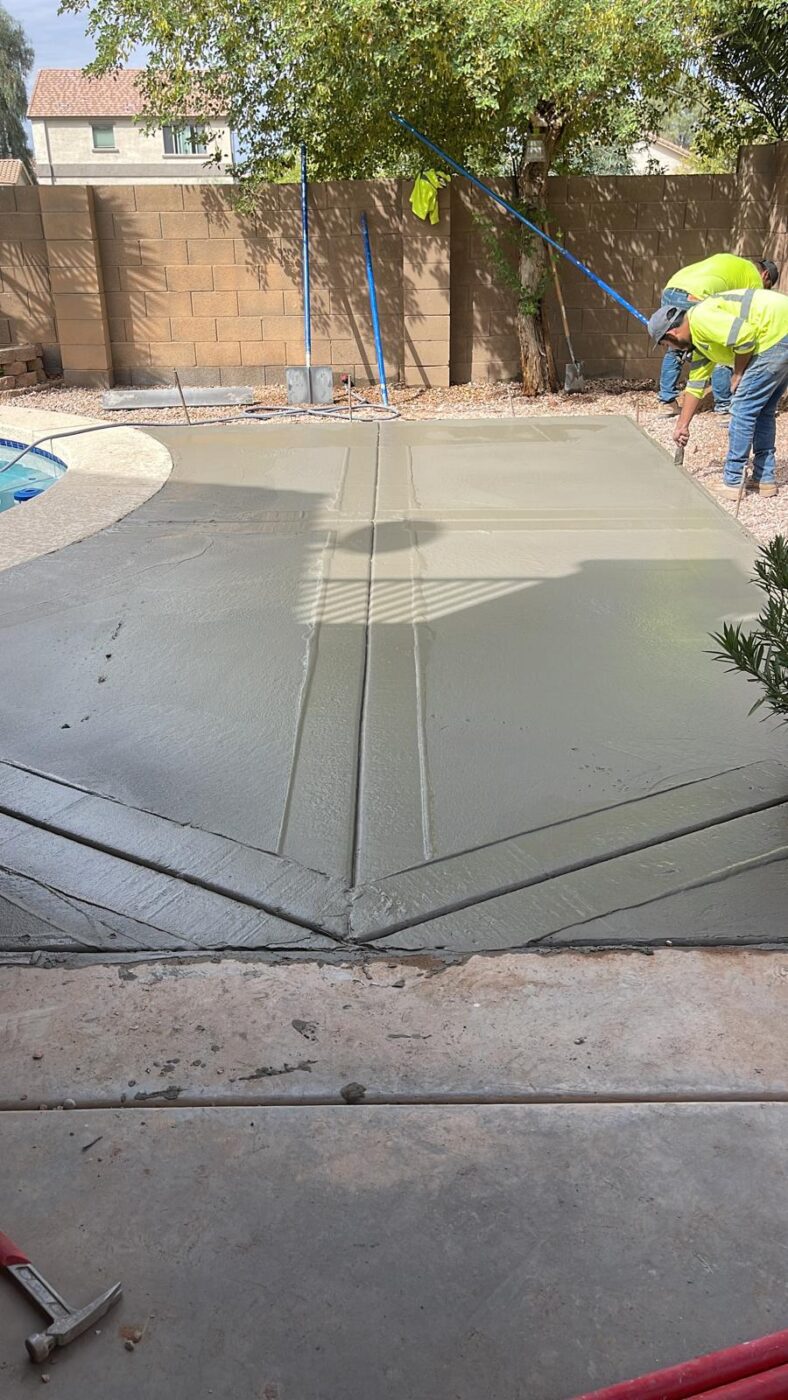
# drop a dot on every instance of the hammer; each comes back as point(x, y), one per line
point(65, 1323)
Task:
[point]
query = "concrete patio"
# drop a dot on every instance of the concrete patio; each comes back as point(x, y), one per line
point(425, 686)
point(383, 763)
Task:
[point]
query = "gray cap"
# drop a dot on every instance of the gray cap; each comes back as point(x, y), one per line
point(665, 319)
point(771, 269)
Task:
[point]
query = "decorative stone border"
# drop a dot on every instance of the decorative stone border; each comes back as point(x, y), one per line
point(109, 474)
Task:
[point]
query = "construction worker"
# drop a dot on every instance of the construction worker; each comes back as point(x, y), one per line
point(722, 272)
point(748, 332)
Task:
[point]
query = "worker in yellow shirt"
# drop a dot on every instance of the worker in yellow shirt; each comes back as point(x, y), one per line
point(747, 331)
point(722, 272)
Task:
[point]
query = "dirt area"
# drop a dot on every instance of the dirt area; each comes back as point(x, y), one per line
point(703, 459)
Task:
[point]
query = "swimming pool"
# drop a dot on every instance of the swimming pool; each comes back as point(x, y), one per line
point(33, 474)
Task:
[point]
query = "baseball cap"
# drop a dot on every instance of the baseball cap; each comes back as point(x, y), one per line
point(771, 269)
point(665, 318)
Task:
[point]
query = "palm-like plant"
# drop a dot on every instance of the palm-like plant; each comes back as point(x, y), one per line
point(762, 653)
point(745, 98)
point(16, 60)
point(749, 56)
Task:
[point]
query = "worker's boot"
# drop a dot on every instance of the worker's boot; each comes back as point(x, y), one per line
point(762, 488)
point(731, 493)
point(670, 410)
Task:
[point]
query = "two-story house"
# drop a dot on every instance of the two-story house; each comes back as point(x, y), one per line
point(86, 131)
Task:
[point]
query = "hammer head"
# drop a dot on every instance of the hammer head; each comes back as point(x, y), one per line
point(64, 1329)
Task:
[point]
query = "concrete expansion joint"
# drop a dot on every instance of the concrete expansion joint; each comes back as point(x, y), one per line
point(173, 1099)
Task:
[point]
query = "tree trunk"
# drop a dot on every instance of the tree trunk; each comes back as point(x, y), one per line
point(537, 365)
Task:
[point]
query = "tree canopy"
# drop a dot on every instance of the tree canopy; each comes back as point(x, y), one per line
point(16, 60)
point(743, 80)
point(478, 75)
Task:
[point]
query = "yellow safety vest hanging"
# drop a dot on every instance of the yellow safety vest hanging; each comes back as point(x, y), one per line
point(424, 195)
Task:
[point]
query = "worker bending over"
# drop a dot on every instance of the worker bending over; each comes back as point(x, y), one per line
point(748, 332)
point(723, 272)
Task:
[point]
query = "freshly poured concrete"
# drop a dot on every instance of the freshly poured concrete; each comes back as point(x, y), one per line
point(406, 1253)
point(445, 685)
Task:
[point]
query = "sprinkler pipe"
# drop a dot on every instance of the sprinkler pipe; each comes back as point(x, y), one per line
point(718, 1372)
point(305, 264)
point(515, 213)
point(373, 307)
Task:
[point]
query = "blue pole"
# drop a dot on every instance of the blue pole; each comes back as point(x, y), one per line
point(499, 199)
point(305, 266)
point(373, 306)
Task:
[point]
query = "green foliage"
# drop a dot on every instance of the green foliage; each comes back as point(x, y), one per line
point(479, 76)
point(762, 653)
point(743, 81)
point(16, 60)
point(504, 244)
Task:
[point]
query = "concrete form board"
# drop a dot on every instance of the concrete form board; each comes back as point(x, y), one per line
point(445, 676)
point(170, 398)
point(442, 1252)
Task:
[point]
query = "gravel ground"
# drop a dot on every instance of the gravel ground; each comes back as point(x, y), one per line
point(703, 458)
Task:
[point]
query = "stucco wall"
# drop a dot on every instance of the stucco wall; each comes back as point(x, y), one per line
point(64, 146)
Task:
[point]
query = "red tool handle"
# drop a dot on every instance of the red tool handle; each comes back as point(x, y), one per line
point(704, 1373)
point(10, 1253)
point(767, 1385)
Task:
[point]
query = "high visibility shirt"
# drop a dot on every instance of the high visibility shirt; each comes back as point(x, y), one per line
point(723, 272)
point(424, 195)
point(736, 323)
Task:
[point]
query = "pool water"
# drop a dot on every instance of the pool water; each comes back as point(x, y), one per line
point(34, 473)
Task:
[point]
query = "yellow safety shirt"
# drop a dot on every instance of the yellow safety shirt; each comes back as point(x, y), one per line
point(723, 272)
point(736, 323)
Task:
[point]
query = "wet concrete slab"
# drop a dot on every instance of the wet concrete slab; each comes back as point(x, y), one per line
point(420, 685)
point(677, 1025)
point(400, 1252)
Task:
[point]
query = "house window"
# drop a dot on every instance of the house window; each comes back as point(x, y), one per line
point(103, 136)
point(184, 141)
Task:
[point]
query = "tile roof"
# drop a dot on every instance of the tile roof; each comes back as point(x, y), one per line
point(67, 92)
point(12, 172)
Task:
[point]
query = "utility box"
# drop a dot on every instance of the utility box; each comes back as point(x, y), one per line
point(315, 385)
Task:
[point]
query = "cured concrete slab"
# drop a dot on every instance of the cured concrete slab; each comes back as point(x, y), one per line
point(675, 1025)
point(406, 1253)
point(438, 686)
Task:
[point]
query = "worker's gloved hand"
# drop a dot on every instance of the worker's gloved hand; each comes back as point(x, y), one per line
point(680, 435)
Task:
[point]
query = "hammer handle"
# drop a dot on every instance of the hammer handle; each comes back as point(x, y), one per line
point(10, 1253)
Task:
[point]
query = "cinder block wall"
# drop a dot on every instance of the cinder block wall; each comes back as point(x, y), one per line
point(141, 280)
point(632, 230)
point(192, 284)
point(27, 314)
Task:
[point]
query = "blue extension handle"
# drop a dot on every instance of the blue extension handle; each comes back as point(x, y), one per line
point(305, 261)
point(373, 306)
point(499, 199)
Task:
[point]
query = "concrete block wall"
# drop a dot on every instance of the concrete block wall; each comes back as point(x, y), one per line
point(633, 230)
point(27, 314)
point(761, 212)
point(194, 285)
point(130, 282)
point(69, 222)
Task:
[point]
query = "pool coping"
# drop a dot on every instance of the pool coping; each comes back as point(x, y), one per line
point(108, 476)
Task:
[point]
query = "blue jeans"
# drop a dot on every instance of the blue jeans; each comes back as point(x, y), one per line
point(754, 414)
point(670, 373)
